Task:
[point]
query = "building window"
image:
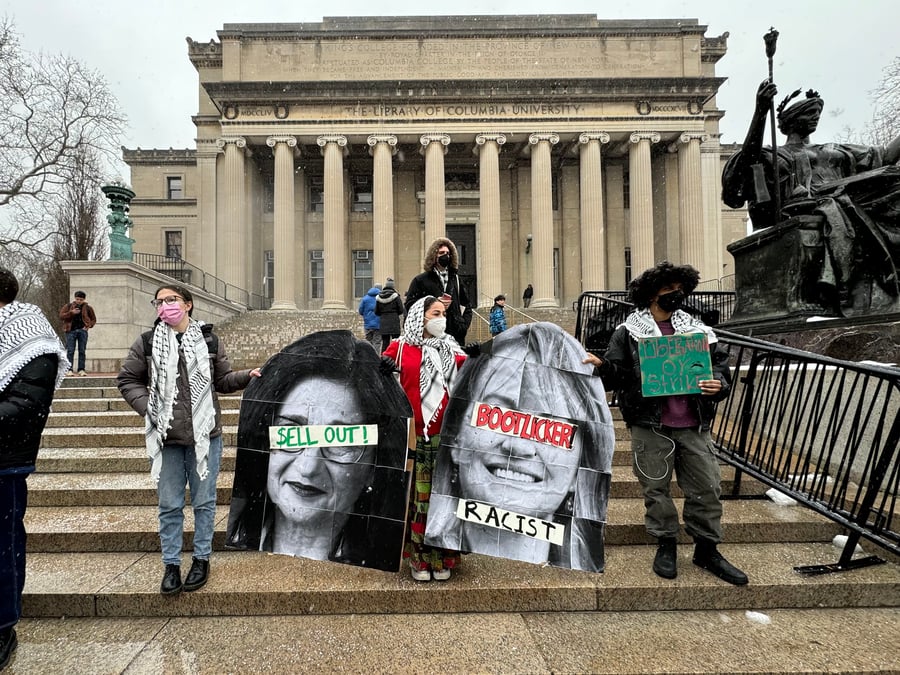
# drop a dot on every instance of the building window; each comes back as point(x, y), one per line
point(554, 192)
point(174, 189)
point(362, 273)
point(556, 284)
point(316, 275)
point(173, 243)
point(627, 267)
point(317, 194)
point(268, 194)
point(361, 194)
point(269, 278)
point(626, 189)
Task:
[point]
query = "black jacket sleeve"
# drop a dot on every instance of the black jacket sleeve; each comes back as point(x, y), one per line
point(24, 406)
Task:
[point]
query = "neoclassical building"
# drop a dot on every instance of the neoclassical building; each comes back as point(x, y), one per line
point(558, 150)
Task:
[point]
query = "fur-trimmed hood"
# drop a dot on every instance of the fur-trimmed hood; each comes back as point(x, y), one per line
point(431, 254)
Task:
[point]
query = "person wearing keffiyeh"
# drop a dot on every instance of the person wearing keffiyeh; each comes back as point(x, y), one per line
point(428, 359)
point(671, 433)
point(170, 377)
point(32, 365)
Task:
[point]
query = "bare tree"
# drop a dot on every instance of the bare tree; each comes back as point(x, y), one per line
point(885, 125)
point(55, 113)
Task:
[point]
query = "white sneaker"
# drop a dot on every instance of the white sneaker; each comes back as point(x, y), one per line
point(441, 575)
point(69, 373)
point(420, 575)
point(81, 373)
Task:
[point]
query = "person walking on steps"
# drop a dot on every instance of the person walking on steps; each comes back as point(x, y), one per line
point(389, 308)
point(498, 315)
point(170, 377)
point(78, 318)
point(671, 433)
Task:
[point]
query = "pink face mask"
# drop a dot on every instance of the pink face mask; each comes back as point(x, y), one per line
point(170, 314)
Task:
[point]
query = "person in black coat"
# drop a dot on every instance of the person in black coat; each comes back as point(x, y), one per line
point(389, 307)
point(441, 279)
point(32, 364)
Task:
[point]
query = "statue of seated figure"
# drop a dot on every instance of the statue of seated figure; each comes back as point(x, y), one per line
point(853, 191)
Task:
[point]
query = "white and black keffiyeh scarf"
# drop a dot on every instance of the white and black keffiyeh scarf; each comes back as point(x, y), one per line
point(26, 334)
point(164, 390)
point(641, 324)
point(438, 370)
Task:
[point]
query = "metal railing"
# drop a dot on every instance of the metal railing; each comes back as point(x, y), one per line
point(186, 273)
point(823, 431)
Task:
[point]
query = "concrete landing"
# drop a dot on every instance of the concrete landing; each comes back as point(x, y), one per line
point(797, 641)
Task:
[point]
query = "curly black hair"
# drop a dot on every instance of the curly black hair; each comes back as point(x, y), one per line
point(644, 288)
point(9, 286)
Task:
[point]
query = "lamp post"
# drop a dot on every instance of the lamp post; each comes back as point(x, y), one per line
point(120, 196)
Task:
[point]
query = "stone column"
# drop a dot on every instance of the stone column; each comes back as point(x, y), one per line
point(337, 246)
point(710, 172)
point(490, 240)
point(204, 243)
point(690, 201)
point(434, 147)
point(382, 147)
point(542, 219)
point(231, 259)
point(641, 198)
point(593, 227)
point(284, 243)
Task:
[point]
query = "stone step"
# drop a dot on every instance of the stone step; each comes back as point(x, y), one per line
point(111, 460)
point(253, 583)
point(99, 405)
point(134, 528)
point(102, 380)
point(86, 391)
point(106, 488)
point(77, 422)
point(709, 642)
point(109, 437)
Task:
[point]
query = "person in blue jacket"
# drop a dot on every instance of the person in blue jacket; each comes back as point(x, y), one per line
point(498, 316)
point(371, 321)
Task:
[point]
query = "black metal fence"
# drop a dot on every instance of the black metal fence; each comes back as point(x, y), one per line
point(822, 431)
point(186, 273)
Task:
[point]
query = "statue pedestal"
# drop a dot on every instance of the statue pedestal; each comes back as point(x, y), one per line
point(777, 272)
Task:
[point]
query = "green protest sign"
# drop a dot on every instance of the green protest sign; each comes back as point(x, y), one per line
point(671, 365)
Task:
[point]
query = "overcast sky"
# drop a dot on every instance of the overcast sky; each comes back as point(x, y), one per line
point(835, 46)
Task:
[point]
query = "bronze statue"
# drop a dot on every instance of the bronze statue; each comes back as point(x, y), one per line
point(852, 192)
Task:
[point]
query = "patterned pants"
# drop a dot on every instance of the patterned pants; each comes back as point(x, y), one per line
point(420, 556)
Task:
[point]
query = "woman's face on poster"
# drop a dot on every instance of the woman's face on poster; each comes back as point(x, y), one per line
point(309, 485)
point(522, 475)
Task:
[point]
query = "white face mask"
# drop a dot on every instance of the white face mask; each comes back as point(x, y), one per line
point(436, 327)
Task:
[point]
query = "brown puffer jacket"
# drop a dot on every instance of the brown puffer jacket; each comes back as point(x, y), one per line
point(134, 381)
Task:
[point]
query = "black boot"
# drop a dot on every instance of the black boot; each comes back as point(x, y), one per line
point(707, 556)
point(171, 582)
point(8, 644)
point(664, 564)
point(197, 575)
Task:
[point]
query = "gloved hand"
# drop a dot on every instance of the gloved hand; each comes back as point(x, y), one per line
point(388, 366)
point(472, 349)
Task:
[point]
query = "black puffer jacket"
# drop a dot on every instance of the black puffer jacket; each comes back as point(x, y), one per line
point(24, 406)
point(621, 372)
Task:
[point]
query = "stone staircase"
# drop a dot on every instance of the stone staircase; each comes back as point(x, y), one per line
point(92, 604)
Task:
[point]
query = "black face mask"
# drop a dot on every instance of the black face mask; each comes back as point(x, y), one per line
point(444, 260)
point(671, 301)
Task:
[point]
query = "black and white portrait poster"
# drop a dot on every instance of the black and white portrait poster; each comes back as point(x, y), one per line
point(523, 471)
point(321, 457)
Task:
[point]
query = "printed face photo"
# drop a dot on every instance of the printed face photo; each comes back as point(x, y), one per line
point(524, 466)
point(320, 469)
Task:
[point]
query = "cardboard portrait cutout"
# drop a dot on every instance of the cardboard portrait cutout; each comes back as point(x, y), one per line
point(524, 466)
point(321, 459)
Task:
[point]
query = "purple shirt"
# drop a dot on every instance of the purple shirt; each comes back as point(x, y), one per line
point(677, 411)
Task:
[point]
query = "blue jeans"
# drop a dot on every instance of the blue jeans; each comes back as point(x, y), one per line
point(13, 500)
point(179, 468)
point(76, 337)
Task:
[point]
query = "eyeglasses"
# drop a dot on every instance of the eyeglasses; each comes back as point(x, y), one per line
point(342, 454)
point(169, 300)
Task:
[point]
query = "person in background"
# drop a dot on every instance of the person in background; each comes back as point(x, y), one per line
point(170, 377)
point(671, 433)
point(389, 308)
point(32, 365)
point(498, 316)
point(441, 280)
point(527, 295)
point(78, 318)
point(371, 321)
point(428, 359)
